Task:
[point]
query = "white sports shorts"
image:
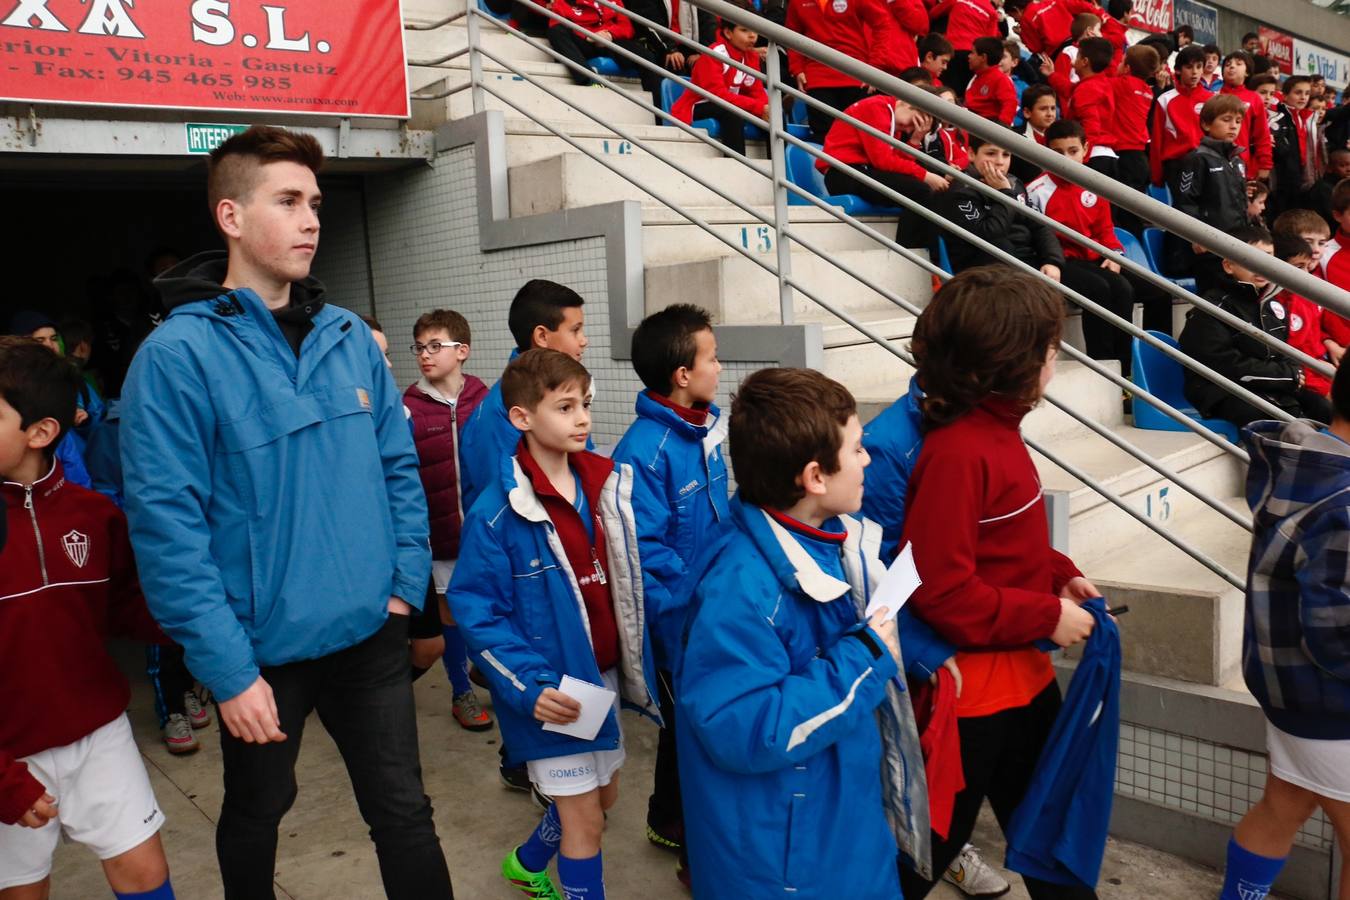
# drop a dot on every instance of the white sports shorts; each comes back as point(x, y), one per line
point(1322, 767)
point(580, 773)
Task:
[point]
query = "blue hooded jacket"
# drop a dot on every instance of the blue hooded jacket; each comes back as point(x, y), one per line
point(1058, 832)
point(1296, 643)
point(680, 499)
point(788, 710)
point(516, 601)
point(893, 439)
point(274, 501)
point(69, 450)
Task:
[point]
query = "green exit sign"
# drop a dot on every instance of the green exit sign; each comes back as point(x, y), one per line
point(203, 138)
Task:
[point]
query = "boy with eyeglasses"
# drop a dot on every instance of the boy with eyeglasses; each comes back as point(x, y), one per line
point(438, 405)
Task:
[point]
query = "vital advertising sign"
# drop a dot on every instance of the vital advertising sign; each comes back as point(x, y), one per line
point(1151, 15)
point(337, 57)
point(1310, 59)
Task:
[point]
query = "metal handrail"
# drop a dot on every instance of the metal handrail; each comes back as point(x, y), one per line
point(782, 186)
point(439, 23)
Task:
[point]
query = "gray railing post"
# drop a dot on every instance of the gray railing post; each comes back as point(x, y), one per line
point(778, 162)
point(475, 61)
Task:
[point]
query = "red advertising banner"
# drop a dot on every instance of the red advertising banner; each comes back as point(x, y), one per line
point(1151, 15)
point(1279, 47)
point(337, 57)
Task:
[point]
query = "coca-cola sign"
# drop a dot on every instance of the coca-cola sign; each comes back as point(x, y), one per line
point(1151, 15)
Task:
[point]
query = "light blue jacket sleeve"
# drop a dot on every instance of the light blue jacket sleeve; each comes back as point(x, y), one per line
point(751, 712)
point(168, 443)
point(481, 596)
point(407, 500)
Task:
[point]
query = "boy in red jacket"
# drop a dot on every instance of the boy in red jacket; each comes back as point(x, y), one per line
point(1093, 102)
point(1090, 273)
point(1176, 121)
point(862, 29)
point(1062, 75)
point(991, 92)
point(600, 27)
point(1133, 98)
point(1255, 133)
point(438, 405)
point(967, 22)
point(727, 82)
point(1335, 266)
point(935, 54)
point(68, 762)
point(893, 167)
point(1304, 316)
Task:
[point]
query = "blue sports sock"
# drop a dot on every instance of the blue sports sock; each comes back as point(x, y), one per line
point(536, 852)
point(163, 892)
point(582, 879)
point(1249, 876)
point(456, 659)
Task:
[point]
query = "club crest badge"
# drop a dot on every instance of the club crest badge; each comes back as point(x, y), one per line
point(77, 547)
point(1089, 199)
point(839, 6)
point(1277, 309)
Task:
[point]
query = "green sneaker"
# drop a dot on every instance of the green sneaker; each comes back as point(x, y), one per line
point(535, 885)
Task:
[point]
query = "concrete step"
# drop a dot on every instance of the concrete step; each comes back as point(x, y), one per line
point(421, 12)
point(528, 142)
point(593, 102)
point(572, 180)
point(734, 289)
point(669, 237)
point(443, 41)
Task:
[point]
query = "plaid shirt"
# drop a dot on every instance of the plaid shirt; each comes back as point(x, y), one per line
point(1296, 643)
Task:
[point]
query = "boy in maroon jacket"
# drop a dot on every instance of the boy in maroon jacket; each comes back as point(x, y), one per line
point(68, 763)
point(438, 405)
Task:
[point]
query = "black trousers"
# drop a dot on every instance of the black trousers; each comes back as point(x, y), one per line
point(958, 74)
point(840, 98)
point(664, 807)
point(999, 754)
point(1312, 405)
point(1133, 172)
point(1110, 289)
point(731, 127)
point(578, 49)
point(365, 702)
point(912, 230)
point(169, 678)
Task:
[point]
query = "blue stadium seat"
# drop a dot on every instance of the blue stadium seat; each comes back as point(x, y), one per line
point(1163, 377)
point(1161, 194)
point(943, 260)
point(611, 67)
point(1153, 246)
point(1133, 250)
point(802, 171)
point(673, 87)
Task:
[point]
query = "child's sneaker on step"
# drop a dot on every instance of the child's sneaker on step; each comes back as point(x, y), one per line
point(973, 876)
point(667, 836)
point(469, 714)
point(178, 736)
point(197, 715)
point(535, 885)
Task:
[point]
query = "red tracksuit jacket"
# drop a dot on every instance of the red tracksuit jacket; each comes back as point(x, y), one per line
point(1083, 211)
point(728, 82)
point(1132, 100)
point(594, 17)
point(1093, 104)
point(1064, 79)
point(991, 94)
point(863, 29)
point(1305, 333)
point(67, 583)
point(1255, 133)
point(857, 148)
point(1176, 127)
point(911, 21)
point(1335, 267)
point(967, 20)
point(1046, 23)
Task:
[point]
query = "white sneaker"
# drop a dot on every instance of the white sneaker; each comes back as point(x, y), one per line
point(197, 715)
point(973, 876)
point(178, 736)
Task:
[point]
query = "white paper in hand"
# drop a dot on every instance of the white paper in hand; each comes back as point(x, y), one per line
point(900, 581)
point(595, 704)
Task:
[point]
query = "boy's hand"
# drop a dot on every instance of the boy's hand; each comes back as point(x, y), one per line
point(1334, 352)
point(675, 61)
point(801, 81)
point(1110, 265)
point(1047, 66)
point(886, 630)
point(992, 177)
point(951, 666)
point(935, 181)
point(603, 36)
point(1075, 623)
point(252, 716)
point(556, 707)
point(81, 417)
point(1051, 271)
point(43, 811)
point(1079, 589)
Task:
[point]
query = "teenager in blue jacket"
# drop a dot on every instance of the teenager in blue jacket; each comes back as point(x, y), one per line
point(1296, 643)
point(787, 697)
point(542, 314)
point(680, 496)
point(278, 519)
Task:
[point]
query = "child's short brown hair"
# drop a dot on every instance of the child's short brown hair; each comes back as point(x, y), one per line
point(986, 331)
point(1142, 61)
point(232, 169)
point(1081, 23)
point(38, 384)
point(782, 420)
point(535, 372)
point(1221, 105)
point(1340, 196)
point(1300, 222)
point(454, 324)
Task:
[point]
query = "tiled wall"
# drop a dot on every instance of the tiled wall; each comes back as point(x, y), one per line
point(341, 261)
point(425, 253)
point(1201, 778)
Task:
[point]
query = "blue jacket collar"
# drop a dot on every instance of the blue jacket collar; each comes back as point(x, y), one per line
point(793, 566)
point(711, 433)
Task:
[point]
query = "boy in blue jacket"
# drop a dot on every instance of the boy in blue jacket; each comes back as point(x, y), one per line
point(278, 519)
point(680, 496)
point(787, 699)
point(549, 584)
point(1296, 644)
